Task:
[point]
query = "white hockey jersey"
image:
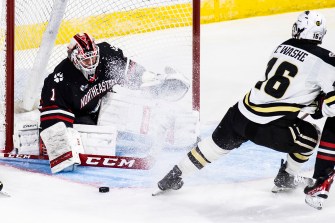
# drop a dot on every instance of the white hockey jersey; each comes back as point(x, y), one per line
point(298, 70)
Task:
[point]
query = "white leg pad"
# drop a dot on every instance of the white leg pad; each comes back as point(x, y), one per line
point(76, 144)
point(26, 137)
point(63, 146)
point(97, 140)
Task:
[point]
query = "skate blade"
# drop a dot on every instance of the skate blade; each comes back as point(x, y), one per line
point(315, 202)
point(4, 194)
point(276, 189)
point(159, 192)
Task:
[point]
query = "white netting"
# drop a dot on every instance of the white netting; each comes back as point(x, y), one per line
point(154, 33)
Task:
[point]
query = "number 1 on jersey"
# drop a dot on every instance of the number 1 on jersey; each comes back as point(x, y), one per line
point(52, 94)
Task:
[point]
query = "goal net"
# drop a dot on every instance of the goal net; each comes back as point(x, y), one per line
point(34, 36)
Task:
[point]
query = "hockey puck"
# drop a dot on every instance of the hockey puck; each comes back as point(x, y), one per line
point(103, 189)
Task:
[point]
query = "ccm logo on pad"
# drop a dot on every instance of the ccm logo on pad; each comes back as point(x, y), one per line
point(106, 161)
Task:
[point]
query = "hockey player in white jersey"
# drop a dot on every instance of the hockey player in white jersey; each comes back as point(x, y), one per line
point(297, 72)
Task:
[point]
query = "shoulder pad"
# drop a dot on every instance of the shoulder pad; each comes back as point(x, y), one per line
point(108, 48)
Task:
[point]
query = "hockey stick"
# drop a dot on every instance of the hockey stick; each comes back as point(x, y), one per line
point(304, 116)
point(24, 156)
point(123, 162)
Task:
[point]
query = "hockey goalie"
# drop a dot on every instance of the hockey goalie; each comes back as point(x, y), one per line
point(97, 93)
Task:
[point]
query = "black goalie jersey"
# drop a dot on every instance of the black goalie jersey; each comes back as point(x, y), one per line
point(298, 70)
point(68, 96)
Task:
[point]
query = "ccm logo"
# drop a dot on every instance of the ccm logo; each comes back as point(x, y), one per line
point(30, 126)
point(104, 161)
point(19, 156)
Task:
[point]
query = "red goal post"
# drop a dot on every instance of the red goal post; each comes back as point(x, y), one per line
point(34, 34)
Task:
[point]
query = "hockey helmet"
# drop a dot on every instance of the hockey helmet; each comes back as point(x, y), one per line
point(309, 25)
point(84, 54)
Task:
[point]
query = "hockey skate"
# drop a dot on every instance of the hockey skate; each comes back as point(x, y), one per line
point(317, 193)
point(287, 182)
point(172, 181)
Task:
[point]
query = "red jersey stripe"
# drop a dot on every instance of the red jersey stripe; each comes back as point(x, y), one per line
point(57, 117)
point(325, 157)
point(327, 144)
point(49, 107)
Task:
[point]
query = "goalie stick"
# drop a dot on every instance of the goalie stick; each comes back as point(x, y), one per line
point(123, 162)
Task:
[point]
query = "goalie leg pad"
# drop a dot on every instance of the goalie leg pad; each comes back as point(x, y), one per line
point(63, 146)
point(26, 137)
point(97, 140)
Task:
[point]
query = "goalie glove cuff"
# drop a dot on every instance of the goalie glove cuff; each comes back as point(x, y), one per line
point(150, 79)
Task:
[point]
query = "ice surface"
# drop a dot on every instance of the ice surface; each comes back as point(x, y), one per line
point(234, 189)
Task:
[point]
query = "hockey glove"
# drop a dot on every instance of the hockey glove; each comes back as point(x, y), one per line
point(318, 103)
point(170, 86)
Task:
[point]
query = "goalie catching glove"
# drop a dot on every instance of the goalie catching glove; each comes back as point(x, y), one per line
point(171, 85)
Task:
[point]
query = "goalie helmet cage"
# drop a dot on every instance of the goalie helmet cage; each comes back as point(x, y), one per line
point(32, 44)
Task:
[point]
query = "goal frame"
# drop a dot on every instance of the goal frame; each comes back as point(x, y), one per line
point(9, 98)
point(10, 52)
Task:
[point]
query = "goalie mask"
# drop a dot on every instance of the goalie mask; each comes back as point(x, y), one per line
point(84, 54)
point(309, 25)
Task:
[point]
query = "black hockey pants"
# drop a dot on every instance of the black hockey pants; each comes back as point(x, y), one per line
point(284, 135)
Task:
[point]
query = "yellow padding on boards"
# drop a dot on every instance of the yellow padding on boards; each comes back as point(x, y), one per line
point(222, 10)
point(128, 22)
point(109, 25)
